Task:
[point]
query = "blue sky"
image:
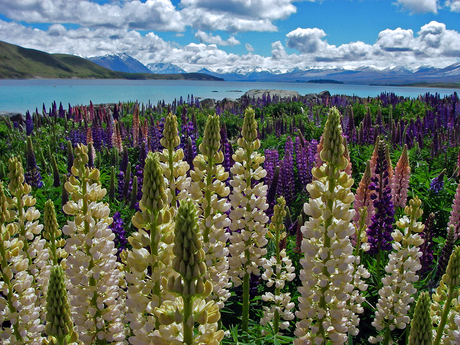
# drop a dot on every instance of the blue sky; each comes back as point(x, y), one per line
point(227, 34)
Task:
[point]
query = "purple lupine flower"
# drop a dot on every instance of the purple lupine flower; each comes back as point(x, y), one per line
point(427, 247)
point(270, 164)
point(124, 160)
point(96, 130)
point(286, 184)
point(227, 149)
point(437, 184)
point(302, 162)
point(29, 124)
point(32, 175)
point(121, 184)
point(120, 234)
point(379, 232)
point(140, 178)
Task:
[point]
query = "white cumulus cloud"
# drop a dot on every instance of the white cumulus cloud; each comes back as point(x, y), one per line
point(419, 6)
point(204, 37)
point(306, 40)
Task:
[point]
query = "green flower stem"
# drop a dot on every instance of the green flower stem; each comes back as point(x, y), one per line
point(207, 211)
point(188, 329)
point(245, 316)
point(445, 314)
point(276, 317)
point(7, 281)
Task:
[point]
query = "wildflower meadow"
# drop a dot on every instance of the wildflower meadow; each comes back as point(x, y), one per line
point(308, 220)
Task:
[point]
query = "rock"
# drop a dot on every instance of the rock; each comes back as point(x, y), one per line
point(14, 116)
point(323, 94)
point(208, 103)
point(258, 93)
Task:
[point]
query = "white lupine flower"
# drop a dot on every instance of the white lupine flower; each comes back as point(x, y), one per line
point(327, 272)
point(397, 291)
point(94, 274)
point(210, 195)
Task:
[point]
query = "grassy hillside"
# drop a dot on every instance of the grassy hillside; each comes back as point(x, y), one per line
point(22, 63)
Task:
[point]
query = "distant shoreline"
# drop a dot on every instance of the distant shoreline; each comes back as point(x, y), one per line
point(431, 85)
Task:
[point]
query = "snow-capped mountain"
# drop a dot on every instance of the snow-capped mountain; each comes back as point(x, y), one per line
point(120, 63)
point(164, 68)
point(355, 75)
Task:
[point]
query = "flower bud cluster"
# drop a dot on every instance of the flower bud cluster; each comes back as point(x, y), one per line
point(58, 319)
point(278, 270)
point(150, 257)
point(398, 289)
point(446, 302)
point(248, 203)
point(172, 161)
point(209, 190)
point(94, 274)
point(421, 325)
point(23, 262)
point(327, 266)
point(52, 234)
point(178, 317)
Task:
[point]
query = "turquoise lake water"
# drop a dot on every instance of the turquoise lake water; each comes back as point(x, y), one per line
point(22, 95)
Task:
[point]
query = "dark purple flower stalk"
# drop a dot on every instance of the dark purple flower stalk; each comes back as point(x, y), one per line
point(227, 149)
point(437, 183)
point(32, 174)
point(286, 184)
point(120, 234)
point(427, 247)
point(270, 164)
point(302, 152)
point(379, 232)
point(29, 124)
point(96, 130)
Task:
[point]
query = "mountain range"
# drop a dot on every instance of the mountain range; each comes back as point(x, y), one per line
point(22, 63)
point(364, 75)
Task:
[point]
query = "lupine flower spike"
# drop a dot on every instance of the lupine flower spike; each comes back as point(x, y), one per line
point(59, 325)
point(210, 192)
point(152, 252)
point(92, 267)
point(178, 317)
point(421, 325)
point(398, 290)
point(363, 198)
point(327, 267)
point(52, 234)
point(400, 180)
point(445, 307)
point(278, 270)
point(454, 218)
point(172, 161)
point(248, 200)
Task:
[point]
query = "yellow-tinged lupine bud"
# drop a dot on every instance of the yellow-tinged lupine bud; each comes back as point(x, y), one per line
point(58, 318)
point(333, 147)
point(16, 174)
point(170, 134)
point(452, 276)
point(249, 130)
point(80, 157)
point(153, 189)
point(211, 138)
point(420, 332)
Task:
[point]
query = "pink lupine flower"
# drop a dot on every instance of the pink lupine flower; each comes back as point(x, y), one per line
point(116, 138)
point(454, 218)
point(136, 127)
point(400, 180)
point(363, 197)
point(346, 154)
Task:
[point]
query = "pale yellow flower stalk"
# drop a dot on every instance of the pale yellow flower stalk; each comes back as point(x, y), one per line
point(172, 162)
point(248, 200)
point(327, 270)
point(178, 317)
point(278, 270)
point(445, 308)
point(23, 262)
point(398, 289)
point(209, 191)
point(151, 254)
point(421, 325)
point(94, 274)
